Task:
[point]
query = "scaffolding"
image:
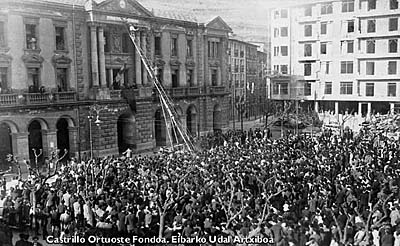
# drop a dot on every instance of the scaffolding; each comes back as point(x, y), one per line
point(171, 117)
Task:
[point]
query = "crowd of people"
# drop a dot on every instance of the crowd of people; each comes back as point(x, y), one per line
point(301, 190)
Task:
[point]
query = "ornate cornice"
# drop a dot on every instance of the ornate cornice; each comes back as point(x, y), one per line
point(59, 59)
point(32, 58)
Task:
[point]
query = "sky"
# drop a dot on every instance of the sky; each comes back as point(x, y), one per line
point(247, 18)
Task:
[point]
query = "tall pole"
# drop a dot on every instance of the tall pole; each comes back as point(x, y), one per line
point(233, 105)
point(241, 116)
point(90, 136)
point(297, 116)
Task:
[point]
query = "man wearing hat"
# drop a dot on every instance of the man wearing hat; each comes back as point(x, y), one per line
point(23, 241)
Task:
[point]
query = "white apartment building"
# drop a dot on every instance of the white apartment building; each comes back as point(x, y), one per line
point(337, 55)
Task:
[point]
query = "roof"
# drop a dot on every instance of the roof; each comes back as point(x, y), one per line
point(174, 14)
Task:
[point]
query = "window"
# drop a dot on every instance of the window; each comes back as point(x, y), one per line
point(107, 41)
point(33, 80)
point(284, 50)
point(370, 46)
point(307, 30)
point(346, 88)
point(394, 4)
point(350, 26)
point(284, 69)
point(284, 89)
point(276, 51)
point(276, 14)
point(392, 67)
point(213, 49)
point(326, 8)
point(348, 6)
point(369, 89)
point(308, 11)
point(328, 88)
point(323, 48)
point(31, 39)
point(60, 38)
point(371, 26)
point(284, 13)
point(284, 31)
point(370, 68)
point(307, 69)
point(3, 79)
point(392, 45)
point(307, 50)
point(190, 78)
point(175, 78)
point(214, 77)
point(371, 4)
point(346, 67)
point(62, 82)
point(276, 32)
point(126, 42)
point(2, 34)
point(350, 46)
point(393, 24)
point(276, 68)
point(174, 46)
point(242, 53)
point(324, 28)
point(189, 48)
point(280, 88)
point(391, 89)
point(275, 89)
point(157, 45)
point(307, 89)
point(327, 66)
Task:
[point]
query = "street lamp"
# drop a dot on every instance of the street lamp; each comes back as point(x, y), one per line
point(94, 109)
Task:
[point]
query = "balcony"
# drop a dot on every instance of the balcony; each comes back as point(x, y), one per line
point(193, 91)
point(37, 98)
point(8, 99)
point(218, 90)
point(66, 96)
point(177, 92)
point(115, 94)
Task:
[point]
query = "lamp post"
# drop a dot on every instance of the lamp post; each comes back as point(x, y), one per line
point(94, 109)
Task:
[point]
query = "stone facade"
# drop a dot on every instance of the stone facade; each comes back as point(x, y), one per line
point(72, 79)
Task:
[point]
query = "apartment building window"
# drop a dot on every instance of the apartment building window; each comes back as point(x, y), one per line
point(189, 78)
point(284, 69)
point(284, 31)
point(350, 46)
point(189, 47)
point(3, 79)
point(371, 26)
point(2, 34)
point(33, 79)
point(370, 68)
point(31, 38)
point(241, 53)
point(347, 6)
point(60, 38)
point(126, 42)
point(175, 78)
point(326, 8)
point(369, 89)
point(62, 82)
point(350, 26)
point(307, 30)
point(392, 67)
point(346, 88)
point(157, 45)
point(392, 45)
point(324, 28)
point(276, 68)
point(213, 49)
point(284, 13)
point(276, 51)
point(346, 67)
point(307, 89)
point(327, 67)
point(371, 4)
point(214, 77)
point(284, 50)
point(323, 48)
point(276, 32)
point(308, 11)
point(393, 24)
point(307, 69)
point(276, 14)
point(391, 89)
point(370, 46)
point(328, 88)
point(307, 50)
point(280, 88)
point(394, 4)
point(174, 46)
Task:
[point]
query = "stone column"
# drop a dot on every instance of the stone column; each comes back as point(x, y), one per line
point(138, 61)
point(360, 109)
point(102, 58)
point(369, 109)
point(93, 47)
point(143, 45)
point(336, 108)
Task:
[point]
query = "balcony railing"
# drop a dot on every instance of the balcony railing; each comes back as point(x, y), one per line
point(193, 91)
point(66, 96)
point(8, 99)
point(115, 94)
point(37, 98)
point(218, 90)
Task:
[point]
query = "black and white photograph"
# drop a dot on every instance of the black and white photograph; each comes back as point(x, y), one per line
point(199, 122)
